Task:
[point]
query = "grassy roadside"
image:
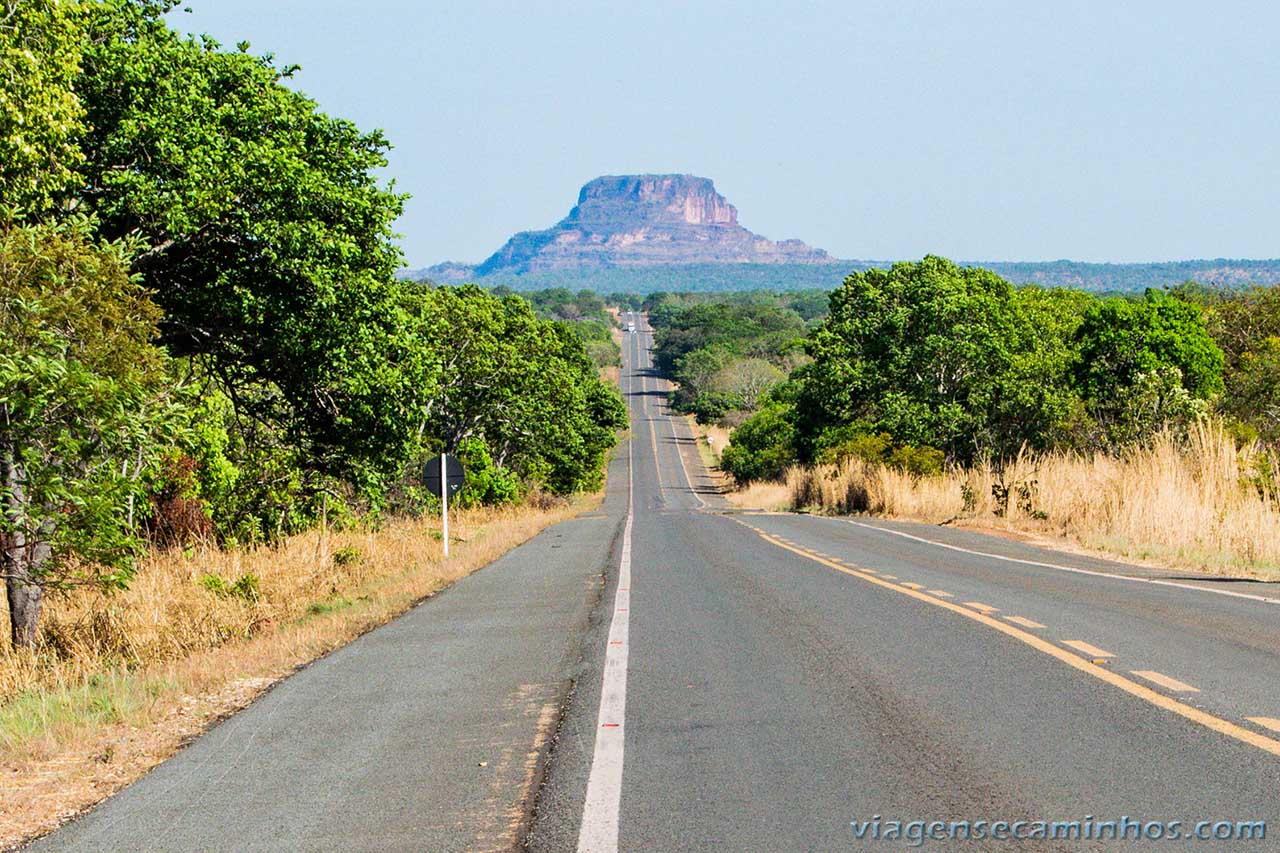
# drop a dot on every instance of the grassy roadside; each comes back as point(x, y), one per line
point(1190, 506)
point(711, 441)
point(125, 680)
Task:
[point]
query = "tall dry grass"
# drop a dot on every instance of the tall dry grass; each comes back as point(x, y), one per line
point(711, 441)
point(774, 497)
point(184, 602)
point(1193, 502)
point(121, 680)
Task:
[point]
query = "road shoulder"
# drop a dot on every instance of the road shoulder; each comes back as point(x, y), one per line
point(430, 730)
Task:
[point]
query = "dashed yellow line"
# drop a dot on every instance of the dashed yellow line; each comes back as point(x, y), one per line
point(1024, 622)
point(1165, 681)
point(941, 593)
point(1195, 715)
point(653, 442)
point(985, 608)
point(1090, 650)
point(911, 585)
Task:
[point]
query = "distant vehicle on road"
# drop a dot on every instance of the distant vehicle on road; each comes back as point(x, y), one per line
point(631, 327)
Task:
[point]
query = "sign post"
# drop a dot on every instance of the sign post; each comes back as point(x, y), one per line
point(444, 506)
point(444, 476)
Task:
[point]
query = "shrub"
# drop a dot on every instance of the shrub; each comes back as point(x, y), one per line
point(763, 447)
point(1143, 365)
point(246, 587)
point(712, 406)
point(486, 484)
point(348, 555)
point(878, 448)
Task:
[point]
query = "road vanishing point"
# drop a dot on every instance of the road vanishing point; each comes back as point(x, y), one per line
point(669, 673)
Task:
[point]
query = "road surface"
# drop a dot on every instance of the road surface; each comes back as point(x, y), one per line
point(671, 674)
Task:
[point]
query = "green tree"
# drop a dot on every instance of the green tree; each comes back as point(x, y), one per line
point(268, 236)
point(1142, 364)
point(1037, 403)
point(763, 446)
point(747, 380)
point(694, 373)
point(1118, 339)
point(40, 115)
point(523, 386)
point(1253, 389)
point(1246, 325)
point(929, 353)
point(83, 405)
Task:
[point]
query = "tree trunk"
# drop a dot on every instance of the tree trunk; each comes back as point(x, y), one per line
point(26, 592)
point(21, 560)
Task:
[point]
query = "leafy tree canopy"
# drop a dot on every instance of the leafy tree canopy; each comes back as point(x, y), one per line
point(40, 115)
point(269, 241)
point(1120, 340)
point(523, 386)
point(84, 411)
point(924, 352)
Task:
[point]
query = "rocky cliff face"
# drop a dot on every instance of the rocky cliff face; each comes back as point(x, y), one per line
point(643, 220)
point(672, 199)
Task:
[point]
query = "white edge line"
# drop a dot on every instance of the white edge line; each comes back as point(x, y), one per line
point(1061, 568)
point(599, 830)
point(680, 455)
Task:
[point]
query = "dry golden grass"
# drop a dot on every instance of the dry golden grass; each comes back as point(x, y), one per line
point(774, 497)
point(711, 441)
point(122, 681)
point(1189, 504)
point(855, 486)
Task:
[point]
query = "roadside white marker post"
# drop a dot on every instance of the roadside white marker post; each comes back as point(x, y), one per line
point(444, 474)
point(444, 503)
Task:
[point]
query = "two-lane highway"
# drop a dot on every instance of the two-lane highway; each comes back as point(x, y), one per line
point(789, 675)
point(672, 674)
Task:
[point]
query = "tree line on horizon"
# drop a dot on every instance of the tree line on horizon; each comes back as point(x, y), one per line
point(927, 364)
point(730, 278)
point(204, 333)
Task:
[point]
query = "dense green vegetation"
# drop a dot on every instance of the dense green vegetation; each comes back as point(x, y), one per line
point(708, 278)
point(925, 364)
point(586, 312)
point(725, 353)
point(204, 335)
point(724, 278)
point(1245, 324)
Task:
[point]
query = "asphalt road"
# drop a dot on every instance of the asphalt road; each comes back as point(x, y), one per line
point(755, 682)
point(425, 734)
point(788, 675)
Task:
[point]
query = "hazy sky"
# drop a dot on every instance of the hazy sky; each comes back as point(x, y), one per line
point(1024, 130)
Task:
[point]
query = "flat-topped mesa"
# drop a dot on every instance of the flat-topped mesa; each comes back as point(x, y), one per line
point(657, 197)
point(644, 220)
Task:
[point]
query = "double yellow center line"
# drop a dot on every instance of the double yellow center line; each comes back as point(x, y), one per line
point(982, 617)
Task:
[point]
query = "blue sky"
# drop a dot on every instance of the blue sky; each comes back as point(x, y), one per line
point(1097, 131)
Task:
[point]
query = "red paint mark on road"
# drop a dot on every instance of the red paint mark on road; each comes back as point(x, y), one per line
point(610, 725)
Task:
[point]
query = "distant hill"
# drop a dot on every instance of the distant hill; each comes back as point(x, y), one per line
point(640, 233)
point(635, 221)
